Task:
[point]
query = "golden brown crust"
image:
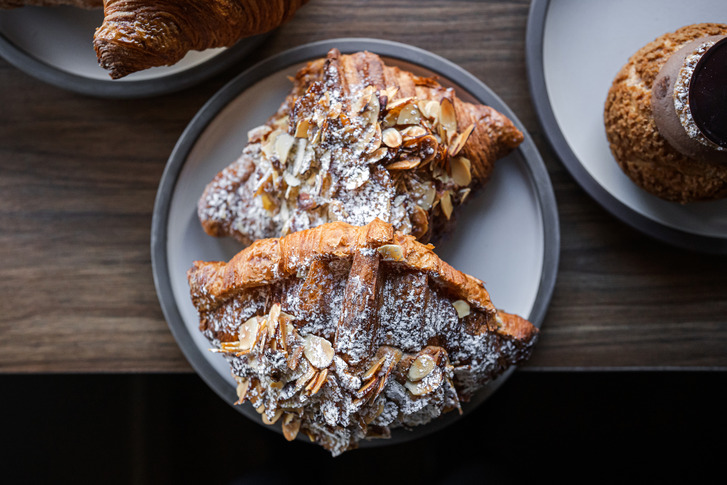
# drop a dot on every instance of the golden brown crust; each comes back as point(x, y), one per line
point(230, 204)
point(638, 147)
point(267, 260)
point(139, 34)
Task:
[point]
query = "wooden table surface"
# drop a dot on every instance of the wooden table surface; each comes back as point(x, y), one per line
point(78, 177)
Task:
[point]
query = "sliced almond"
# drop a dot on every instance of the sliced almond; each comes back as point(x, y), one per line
point(421, 367)
point(414, 131)
point(273, 318)
point(426, 385)
point(294, 359)
point(301, 129)
point(391, 252)
point(461, 174)
point(371, 111)
point(273, 419)
point(462, 307)
point(390, 92)
point(376, 365)
point(427, 198)
point(369, 386)
point(419, 222)
point(370, 140)
point(459, 141)
point(391, 137)
point(335, 111)
point(359, 103)
point(318, 351)
point(463, 194)
point(258, 134)
point(393, 105)
point(283, 144)
point(406, 164)
point(446, 203)
point(448, 118)
point(291, 180)
point(242, 386)
point(248, 333)
point(305, 378)
point(378, 154)
point(319, 381)
point(268, 145)
point(409, 115)
point(316, 137)
point(431, 110)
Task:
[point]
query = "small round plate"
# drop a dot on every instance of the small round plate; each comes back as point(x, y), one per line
point(55, 45)
point(574, 50)
point(508, 235)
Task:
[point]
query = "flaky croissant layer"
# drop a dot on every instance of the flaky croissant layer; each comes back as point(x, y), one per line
point(139, 34)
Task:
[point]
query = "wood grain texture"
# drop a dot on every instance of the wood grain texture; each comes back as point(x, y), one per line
point(78, 177)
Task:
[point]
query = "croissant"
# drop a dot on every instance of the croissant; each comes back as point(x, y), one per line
point(344, 332)
point(355, 140)
point(50, 3)
point(138, 34)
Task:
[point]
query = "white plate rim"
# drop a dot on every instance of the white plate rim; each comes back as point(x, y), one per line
point(173, 82)
point(541, 182)
point(536, 77)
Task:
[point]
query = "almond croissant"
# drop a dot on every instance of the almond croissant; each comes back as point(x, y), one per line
point(139, 34)
point(343, 333)
point(356, 140)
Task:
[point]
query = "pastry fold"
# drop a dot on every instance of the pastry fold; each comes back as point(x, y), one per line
point(139, 34)
point(343, 332)
point(357, 140)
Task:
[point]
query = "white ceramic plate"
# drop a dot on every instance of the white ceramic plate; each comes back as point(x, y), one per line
point(574, 50)
point(55, 44)
point(508, 236)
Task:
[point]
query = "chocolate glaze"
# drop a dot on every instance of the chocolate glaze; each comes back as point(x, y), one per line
point(708, 94)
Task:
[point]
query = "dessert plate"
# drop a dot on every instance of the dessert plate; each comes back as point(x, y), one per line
point(574, 50)
point(508, 235)
point(55, 45)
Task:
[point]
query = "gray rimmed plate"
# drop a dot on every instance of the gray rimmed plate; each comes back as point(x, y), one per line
point(55, 45)
point(508, 235)
point(574, 50)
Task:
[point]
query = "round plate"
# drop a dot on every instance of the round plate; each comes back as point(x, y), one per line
point(55, 45)
point(508, 235)
point(569, 82)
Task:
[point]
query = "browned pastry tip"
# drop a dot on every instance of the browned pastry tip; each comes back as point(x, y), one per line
point(51, 3)
point(357, 139)
point(139, 34)
point(638, 147)
point(344, 332)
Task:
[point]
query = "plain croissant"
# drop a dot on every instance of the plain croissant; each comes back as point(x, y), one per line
point(139, 34)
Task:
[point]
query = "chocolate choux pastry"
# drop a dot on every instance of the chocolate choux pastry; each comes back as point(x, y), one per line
point(666, 118)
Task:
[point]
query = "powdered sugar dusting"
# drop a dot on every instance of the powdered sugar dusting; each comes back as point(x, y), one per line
point(361, 394)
